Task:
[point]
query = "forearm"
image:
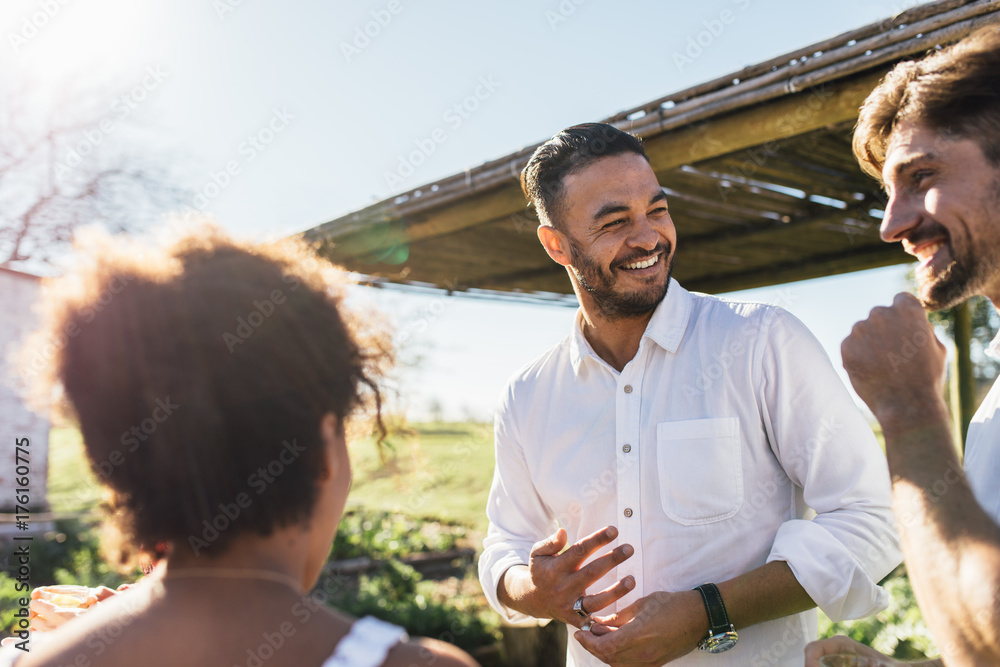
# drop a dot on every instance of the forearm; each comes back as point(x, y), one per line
point(514, 588)
point(764, 594)
point(952, 547)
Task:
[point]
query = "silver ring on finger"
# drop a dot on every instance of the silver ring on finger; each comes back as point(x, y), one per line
point(586, 626)
point(578, 608)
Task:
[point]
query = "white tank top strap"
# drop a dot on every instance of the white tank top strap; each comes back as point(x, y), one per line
point(367, 644)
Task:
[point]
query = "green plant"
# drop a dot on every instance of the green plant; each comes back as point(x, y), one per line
point(383, 535)
point(396, 593)
point(9, 604)
point(899, 631)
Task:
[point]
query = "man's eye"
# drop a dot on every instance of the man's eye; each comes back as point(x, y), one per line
point(921, 174)
point(660, 210)
point(613, 223)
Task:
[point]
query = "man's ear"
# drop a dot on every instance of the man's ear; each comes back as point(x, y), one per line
point(555, 243)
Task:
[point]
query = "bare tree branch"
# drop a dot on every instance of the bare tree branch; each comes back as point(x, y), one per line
point(69, 170)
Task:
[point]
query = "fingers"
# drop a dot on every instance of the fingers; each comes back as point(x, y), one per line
point(601, 566)
point(598, 601)
point(102, 593)
point(49, 616)
point(906, 300)
point(551, 545)
point(841, 644)
point(621, 617)
point(582, 550)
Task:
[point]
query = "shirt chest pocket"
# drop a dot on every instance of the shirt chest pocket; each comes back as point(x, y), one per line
point(700, 472)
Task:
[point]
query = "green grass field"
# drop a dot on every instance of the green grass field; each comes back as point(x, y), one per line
point(442, 471)
point(439, 470)
point(72, 486)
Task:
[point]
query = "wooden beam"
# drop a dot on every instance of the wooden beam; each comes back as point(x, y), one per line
point(815, 266)
point(788, 116)
point(759, 126)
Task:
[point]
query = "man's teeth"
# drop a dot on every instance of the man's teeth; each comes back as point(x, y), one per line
point(643, 264)
point(927, 252)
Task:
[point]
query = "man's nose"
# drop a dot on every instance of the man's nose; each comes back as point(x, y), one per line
point(901, 215)
point(644, 234)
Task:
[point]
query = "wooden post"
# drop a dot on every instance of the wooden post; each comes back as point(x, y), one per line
point(964, 384)
point(536, 645)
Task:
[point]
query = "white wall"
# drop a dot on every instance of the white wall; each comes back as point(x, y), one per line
point(19, 293)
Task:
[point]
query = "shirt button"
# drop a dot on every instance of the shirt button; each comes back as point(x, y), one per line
point(628, 389)
point(626, 448)
point(628, 511)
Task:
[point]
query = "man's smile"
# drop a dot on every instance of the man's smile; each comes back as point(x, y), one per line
point(642, 264)
point(925, 252)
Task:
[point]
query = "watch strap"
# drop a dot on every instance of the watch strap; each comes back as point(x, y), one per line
point(718, 619)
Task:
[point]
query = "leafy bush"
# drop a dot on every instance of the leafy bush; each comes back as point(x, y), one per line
point(396, 593)
point(899, 631)
point(69, 554)
point(382, 535)
point(8, 603)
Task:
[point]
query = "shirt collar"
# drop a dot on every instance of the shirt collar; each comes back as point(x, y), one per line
point(666, 327)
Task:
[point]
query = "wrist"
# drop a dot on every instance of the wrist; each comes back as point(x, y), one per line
point(902, 418)
point(721, 635)
point(514, 590)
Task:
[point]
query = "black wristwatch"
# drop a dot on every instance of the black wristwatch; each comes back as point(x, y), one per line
point(721, 633)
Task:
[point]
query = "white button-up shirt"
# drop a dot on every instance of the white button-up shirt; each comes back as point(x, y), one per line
point(982, 448)
point(707, 451)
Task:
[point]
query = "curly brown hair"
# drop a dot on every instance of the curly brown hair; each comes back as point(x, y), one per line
point(199, 372)
point(955, 91)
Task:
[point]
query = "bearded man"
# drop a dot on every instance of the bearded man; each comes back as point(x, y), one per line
point(661, 464)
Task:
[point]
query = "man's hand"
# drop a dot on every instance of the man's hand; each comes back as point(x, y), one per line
point(895, 361)
point(841, 644)
point(653, 631)
point(553, 581)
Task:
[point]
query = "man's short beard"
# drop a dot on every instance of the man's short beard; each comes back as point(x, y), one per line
point(956, 283)
point(599, 283)
point(945, 290)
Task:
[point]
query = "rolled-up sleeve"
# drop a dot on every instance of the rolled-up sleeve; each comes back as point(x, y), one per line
point(518, 517)
point(827, 448)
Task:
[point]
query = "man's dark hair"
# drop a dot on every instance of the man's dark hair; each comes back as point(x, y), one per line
point(955, 91)
point(570, 150)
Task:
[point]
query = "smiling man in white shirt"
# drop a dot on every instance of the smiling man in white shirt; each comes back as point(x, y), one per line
point(674, 440)
point(930, 132)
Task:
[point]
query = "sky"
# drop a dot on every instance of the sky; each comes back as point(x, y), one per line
point(278, 116)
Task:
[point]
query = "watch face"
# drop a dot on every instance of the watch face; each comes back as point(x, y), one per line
point(721, 642)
